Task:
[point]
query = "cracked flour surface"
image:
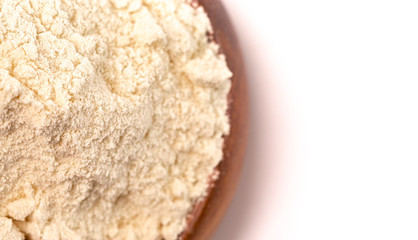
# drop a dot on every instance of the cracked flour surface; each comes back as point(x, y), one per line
point(111, 117)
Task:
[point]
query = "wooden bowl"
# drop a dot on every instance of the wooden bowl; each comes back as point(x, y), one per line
point(207, 214)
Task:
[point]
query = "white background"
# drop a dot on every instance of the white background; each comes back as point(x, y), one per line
point(333, 151)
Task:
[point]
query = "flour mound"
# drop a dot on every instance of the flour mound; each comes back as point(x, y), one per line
point(112, 116)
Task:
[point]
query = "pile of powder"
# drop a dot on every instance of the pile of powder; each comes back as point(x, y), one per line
point(112, 117)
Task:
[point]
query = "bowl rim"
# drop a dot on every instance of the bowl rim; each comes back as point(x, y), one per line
point(208, 213)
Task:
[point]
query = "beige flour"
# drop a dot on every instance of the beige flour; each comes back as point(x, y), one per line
point(111, 117)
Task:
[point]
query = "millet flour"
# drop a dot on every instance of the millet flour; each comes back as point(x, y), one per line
point(112, 116)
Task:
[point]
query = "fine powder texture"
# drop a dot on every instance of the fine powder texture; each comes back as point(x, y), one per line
point(112, 117)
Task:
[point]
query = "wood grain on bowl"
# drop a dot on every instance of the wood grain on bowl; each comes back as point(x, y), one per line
point(207, 214)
